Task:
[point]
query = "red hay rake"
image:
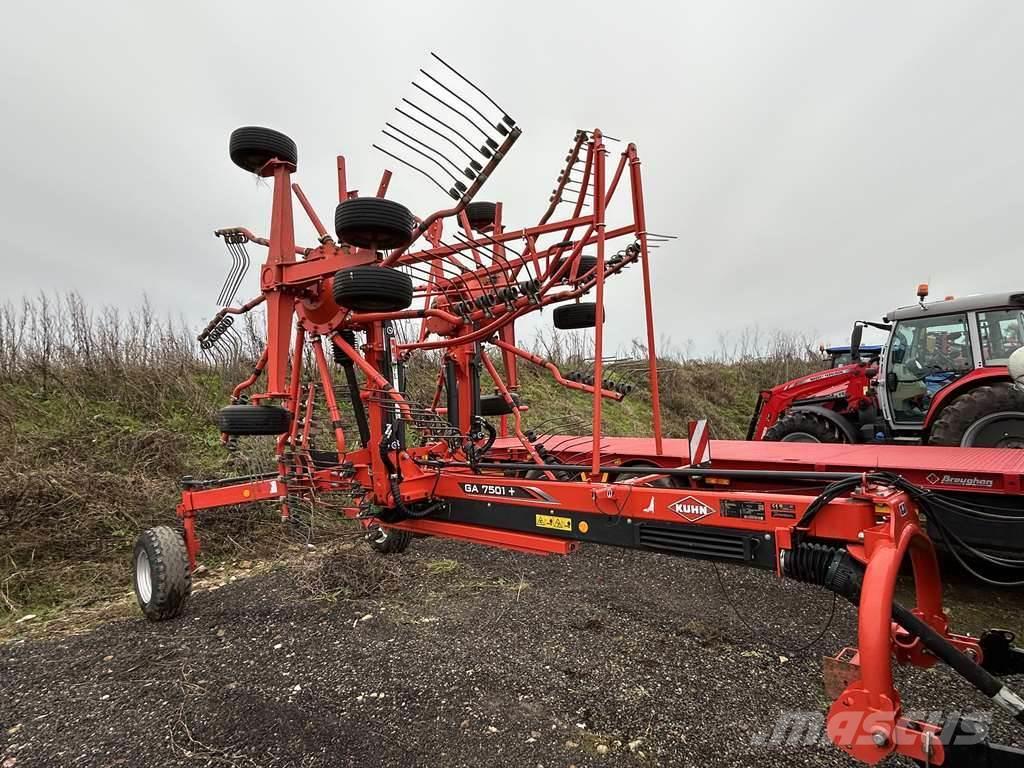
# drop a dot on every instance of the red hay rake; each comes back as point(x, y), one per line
point(444, 468)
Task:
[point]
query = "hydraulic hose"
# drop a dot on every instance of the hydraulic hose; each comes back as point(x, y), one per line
point(387, 444)
point(836, 570)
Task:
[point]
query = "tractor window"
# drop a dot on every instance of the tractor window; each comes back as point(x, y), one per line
point(841, 358)
point(925, 355)
point(1002, 332)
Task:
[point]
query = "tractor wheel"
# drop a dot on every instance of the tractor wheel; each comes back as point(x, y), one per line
point(373, 222)
point(254, 420)
point(495, 405)
point(370, 288)
point(161, 576)
point(572, 316)
point(986, 417)
point(251, 148)
point(481, 215)
point(388, 541)
point(804, 427)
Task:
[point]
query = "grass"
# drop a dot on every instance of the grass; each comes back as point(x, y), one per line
point(104, 415)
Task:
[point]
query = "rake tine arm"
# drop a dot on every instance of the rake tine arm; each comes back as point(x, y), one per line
point(571, 159)
point(311, 213)
point(385, 182)
point(247, 383)
point(229, 311)
point(373, 375)
point(464, 200)
point(248, 235)
point(516, 415)
point(557, 374)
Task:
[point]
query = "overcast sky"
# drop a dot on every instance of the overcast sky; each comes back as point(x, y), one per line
point(816, 159)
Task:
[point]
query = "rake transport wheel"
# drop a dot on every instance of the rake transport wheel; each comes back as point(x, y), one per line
point(986, 417)
point(373, 222)
point(369, 288)
point(251, 148)
point(804, 427)
point(481, 215)
point(388, 541)
point(253, 420)
point(583, 270)
point(161, 575)
point(570, 316)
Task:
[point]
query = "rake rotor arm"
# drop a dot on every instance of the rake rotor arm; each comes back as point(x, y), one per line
point(322, 234)
point(242, 386)
point(522, 305)
point(373, 375)
point(555, 372)
point(248, 235)
point(222, 313)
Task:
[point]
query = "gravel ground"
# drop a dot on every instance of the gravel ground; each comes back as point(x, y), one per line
point(456, 656)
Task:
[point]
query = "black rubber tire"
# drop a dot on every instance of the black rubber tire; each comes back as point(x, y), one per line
point(373, 222)
point(571, 316)
point(495, 405)
point(369, 288)
point(388, 541)
point(252, 147)
point(253, 420)
point(584, 270)
point(481, 215)
point(794, 426)
point(170, 578)
point(955, 421)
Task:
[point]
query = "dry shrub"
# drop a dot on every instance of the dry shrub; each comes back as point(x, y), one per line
point(348, 573)
point(104, 410)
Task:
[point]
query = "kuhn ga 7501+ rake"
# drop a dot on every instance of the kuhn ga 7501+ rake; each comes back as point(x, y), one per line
point(465, 467)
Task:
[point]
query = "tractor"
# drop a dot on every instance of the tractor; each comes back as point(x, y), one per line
point(942, 378)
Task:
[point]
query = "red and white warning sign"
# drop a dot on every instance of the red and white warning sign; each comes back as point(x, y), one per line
point(700, 443)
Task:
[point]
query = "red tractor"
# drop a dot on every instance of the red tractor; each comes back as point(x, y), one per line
point(943, 378)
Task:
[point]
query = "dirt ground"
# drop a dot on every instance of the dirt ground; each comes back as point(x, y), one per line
point(455, 655)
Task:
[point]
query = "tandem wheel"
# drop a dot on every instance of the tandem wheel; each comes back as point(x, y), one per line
point(388, 541)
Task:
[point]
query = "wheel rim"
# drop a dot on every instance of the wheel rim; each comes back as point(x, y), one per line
point(997, 430)
point(379, 536)
point(143, 577)
point(800, 437)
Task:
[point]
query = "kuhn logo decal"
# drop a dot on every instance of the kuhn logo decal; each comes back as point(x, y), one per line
point(691, 509)
point(963, 481)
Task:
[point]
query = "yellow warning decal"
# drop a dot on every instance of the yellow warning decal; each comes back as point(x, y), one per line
point(556, 523)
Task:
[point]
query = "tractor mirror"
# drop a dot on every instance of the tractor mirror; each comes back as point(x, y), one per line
point(855, 337)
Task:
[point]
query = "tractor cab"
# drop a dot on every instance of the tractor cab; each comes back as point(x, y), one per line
point(938, 349)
